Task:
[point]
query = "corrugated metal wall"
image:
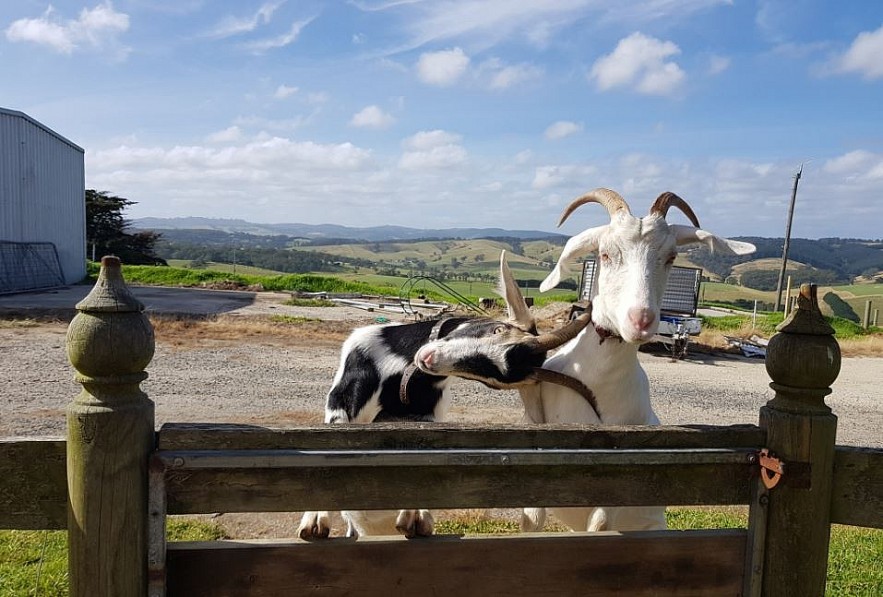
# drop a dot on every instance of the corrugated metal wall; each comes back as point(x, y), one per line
point(42, 188)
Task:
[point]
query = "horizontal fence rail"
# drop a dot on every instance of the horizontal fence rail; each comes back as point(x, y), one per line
point(286, 480)
point(33, 487)
point(601, 564)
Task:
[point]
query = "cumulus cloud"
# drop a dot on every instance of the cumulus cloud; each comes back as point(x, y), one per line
point(717, 64)
point(562, 129)
point(442, 68)
point(228, 135)
point(856, 165)
point(432, 150)
point(284, 91)
point(863, 56)
point(96, 28)
point(639, 61)
point(231, 26)
point(371, 117)
point(547, 177)
point(505, 77)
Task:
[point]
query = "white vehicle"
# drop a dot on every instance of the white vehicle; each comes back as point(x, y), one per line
point(677, 321)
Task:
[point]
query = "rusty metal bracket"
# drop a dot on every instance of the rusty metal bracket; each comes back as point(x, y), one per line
point(771, 468)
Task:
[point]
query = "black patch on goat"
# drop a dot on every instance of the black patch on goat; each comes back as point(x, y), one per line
point(360, 377)
point(520, 362)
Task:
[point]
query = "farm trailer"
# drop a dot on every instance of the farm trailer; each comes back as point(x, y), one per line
point(114, 480)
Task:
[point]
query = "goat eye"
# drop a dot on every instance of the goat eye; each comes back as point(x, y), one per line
point(499, 329)
point(605, 257)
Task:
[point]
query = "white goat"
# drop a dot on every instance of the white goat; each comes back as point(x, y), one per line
point(635, 259)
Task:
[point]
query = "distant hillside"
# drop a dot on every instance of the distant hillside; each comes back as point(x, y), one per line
point(825, 261)
point(330, 232)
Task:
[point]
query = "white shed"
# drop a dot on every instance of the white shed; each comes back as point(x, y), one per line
point(42, 206)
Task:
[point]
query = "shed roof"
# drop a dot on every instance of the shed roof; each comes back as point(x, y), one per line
point(61, 138)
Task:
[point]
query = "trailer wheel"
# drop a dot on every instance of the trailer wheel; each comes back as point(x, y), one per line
point(679, 347)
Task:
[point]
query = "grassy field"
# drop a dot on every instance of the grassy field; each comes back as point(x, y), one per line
point(34, 563)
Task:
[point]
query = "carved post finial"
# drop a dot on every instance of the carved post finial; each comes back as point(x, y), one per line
point(803, 359)
point(110, 438)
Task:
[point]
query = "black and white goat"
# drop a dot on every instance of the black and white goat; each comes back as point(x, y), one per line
point(635, 259)
point(393, 372)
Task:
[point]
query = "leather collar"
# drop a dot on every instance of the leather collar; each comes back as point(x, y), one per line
point(434, 334)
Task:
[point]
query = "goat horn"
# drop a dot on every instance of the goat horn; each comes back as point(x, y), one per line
point(669, 199)
point(556, 338)
point(612, 200)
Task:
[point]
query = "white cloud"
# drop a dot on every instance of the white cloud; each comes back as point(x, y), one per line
point(228, 135)
point(284, 91)
point(481, 25)
point(509, 76)
point(96, 28)
point(639, 61)
point(863, 57)
point(432, 150)
point(546, 177)
point(442, 68)
point(231, 26)
point(430, 139)
point(263, 45)
point(717, 64)
point(562, 129)
point(372, 117)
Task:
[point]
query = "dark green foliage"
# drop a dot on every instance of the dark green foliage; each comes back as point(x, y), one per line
point(845, 257)
point(769, 279)
point(107, 231)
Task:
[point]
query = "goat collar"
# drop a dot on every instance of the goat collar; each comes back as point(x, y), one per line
point(434, 334)
point(562, 379)
point(604, 333)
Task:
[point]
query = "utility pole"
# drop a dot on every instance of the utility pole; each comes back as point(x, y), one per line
point(787, 240)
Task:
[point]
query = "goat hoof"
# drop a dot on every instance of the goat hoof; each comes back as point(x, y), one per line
point(415, 523)
point(314, 525)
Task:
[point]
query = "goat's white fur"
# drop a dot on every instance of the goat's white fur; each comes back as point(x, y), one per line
point(635, 258)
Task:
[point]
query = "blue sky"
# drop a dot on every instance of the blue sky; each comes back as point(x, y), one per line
point(450, 113)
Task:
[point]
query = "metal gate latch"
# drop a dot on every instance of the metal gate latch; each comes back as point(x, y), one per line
point(771, 468)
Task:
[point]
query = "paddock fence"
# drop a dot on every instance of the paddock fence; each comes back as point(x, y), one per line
point(114, 479)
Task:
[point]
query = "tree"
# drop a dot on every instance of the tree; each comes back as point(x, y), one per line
point(106, 231)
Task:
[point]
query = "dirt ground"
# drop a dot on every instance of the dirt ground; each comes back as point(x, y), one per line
point(243, 368)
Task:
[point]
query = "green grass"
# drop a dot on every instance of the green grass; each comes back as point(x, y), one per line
point(37, 560)
point(292, 319)
point(308, 302)
point(767, 322)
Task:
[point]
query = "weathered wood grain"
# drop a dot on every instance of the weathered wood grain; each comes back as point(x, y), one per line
point(857, 497)
point(182, 436)
point(636, 564)
point(33, 484)
point(358, 487)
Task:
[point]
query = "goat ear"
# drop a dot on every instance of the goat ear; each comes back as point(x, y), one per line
point(687, 235)
point(515, 305)
point(582, 244)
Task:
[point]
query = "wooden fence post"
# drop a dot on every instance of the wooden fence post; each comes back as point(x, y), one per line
point(803, 360)
point(110, 437)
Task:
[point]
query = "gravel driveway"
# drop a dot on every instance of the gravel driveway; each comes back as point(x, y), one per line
point(279, 383)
